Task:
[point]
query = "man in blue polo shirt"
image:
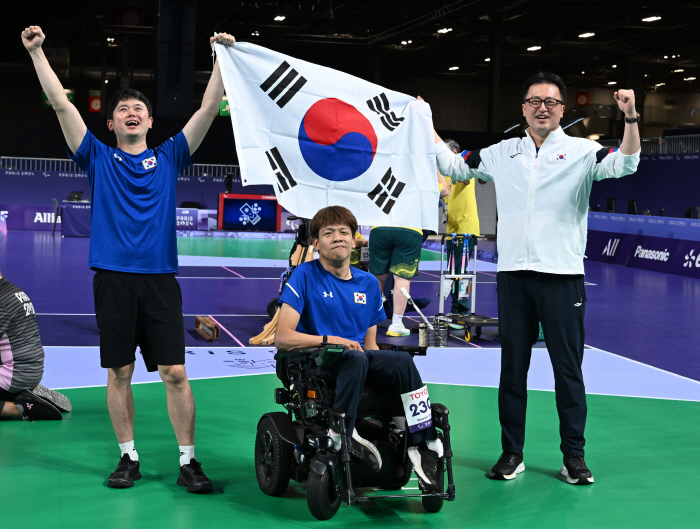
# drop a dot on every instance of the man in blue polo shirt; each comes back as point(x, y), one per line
point(328, 301)
point(133, 251)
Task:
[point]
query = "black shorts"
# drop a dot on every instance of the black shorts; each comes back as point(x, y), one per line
point(142, 310)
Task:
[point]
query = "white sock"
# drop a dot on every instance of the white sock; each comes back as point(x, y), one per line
point(336, 439)
point(397, 320)
point(128, 448)
point(186, 453)
point(435, 446)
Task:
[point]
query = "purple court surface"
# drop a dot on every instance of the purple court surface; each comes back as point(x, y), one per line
point(640, 325)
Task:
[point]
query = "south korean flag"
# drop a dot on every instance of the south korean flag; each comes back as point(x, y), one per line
point(322, 137)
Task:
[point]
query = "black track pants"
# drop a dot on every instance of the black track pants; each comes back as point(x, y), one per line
point(393, 369)
point(559, 303)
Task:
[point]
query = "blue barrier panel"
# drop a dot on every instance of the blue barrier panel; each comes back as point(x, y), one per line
point(660, 244)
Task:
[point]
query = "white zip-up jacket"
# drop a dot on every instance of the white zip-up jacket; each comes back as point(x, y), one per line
point(542, 197)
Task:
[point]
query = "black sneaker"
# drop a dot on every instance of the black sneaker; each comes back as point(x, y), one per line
point(509, 465)
point(425, 463)
point(192, 477)
point(37, 409)
point(575, 470)
point(365, 452)
point(127, 472)
point(54, 397)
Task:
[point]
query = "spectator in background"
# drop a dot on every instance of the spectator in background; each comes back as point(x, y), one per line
point(396, 250)
point(462, 218)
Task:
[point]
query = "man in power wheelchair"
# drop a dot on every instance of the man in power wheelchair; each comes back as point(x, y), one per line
point(356, 414)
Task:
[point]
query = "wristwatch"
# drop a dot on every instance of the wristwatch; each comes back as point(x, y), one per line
point(633, 120)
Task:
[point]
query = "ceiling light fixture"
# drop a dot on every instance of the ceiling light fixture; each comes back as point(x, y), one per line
point(255, 34)
point(279, 18)
point(665, 56)
point(679, 70)
point(534, 48)
point(585, 35)
point(452, 68)
point(409, 41)
point(689, 79)
point(404, 43)
point(487, 59)
point(444, 30)
point(612, 82)
point(651, 19)
point(661, 84)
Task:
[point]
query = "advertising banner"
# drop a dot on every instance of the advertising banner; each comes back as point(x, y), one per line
point(29, 217)
point(671, 256)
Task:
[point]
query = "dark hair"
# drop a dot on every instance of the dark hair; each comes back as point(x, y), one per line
point(452, 145)
point(545, 78)
point(333, 216)
point(125, 95)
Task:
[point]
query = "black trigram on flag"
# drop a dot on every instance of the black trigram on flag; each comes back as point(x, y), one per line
point(380, 105)
point(282, 86)
point(386, 192)
point(284, 177)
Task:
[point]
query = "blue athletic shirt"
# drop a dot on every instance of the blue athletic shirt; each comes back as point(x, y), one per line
point(332, 306)
point(133, 204)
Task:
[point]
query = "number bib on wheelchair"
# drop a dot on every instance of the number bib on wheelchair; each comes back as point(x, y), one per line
point(416, 405)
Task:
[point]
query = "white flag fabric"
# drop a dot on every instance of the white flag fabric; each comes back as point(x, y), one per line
point(322, 137)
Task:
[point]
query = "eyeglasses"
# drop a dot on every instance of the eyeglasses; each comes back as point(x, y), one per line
point(550, 103)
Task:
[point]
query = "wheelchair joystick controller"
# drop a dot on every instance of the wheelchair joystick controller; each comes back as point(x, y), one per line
point(408, 297)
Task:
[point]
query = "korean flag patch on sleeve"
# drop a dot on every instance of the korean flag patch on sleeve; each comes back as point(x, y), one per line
point(361, 298)
point(149, 163)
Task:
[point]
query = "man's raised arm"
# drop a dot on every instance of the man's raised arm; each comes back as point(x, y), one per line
point(199, 123)
point(72, 123)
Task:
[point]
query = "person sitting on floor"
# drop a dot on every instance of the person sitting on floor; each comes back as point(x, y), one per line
point(22, 360)
point(327, 301)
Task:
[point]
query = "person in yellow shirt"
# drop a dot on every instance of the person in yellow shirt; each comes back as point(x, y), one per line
point(462, 217)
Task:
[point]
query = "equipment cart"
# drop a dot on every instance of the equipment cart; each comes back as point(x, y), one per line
point(467, 287)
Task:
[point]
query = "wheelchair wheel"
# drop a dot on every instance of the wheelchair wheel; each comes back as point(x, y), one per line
point(273, 459)
point(322, 498)
point(272, 307)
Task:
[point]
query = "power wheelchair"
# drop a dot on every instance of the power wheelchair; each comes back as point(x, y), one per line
point(295, 444)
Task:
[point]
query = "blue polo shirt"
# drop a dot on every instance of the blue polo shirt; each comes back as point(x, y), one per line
point(332, 306)
point(133, 204)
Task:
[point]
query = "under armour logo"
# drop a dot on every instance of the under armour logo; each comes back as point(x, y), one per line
point(118, 157)
point(29, 406)
point(578, 304)
point(328, 294)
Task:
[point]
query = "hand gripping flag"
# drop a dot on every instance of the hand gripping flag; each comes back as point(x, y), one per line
point(322, 137)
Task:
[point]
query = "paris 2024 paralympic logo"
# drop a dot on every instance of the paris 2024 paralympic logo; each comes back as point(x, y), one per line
point(337, 142)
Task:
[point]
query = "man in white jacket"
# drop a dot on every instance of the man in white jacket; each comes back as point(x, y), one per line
point(543, 182)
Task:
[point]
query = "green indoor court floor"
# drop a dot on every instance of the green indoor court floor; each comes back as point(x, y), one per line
point(54, 474)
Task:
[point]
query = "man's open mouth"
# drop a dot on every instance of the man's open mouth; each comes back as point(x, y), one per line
point(132, 123)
